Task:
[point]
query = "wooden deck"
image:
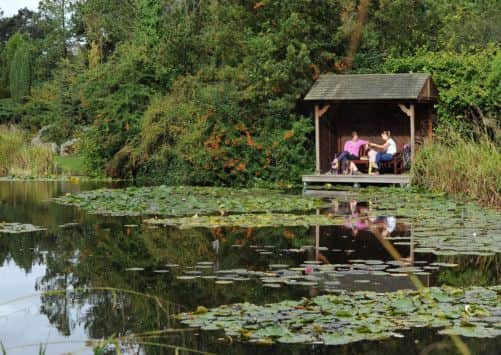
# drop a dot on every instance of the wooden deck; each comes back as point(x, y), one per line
point(388, 179)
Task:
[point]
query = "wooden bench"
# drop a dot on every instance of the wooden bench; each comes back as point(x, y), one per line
point(396, 163)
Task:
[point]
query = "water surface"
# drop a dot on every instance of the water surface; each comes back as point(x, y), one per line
point(86, 255)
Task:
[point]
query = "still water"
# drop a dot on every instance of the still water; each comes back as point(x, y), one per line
point(91, 277)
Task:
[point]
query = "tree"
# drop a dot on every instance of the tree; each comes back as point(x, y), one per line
point(57, 15)
point(24, 22)
point(20, 72)
point(7, 56)
point(105, 23)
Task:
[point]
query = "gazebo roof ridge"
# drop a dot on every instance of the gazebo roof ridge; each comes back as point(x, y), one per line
point(373, 87)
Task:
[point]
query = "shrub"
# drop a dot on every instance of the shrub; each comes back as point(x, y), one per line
point(468, 83)
point(9, 111)
point(219, 140)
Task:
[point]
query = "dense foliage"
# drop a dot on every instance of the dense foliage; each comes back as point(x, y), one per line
point(200, 92)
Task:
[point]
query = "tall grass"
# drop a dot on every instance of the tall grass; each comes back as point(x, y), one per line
point(19, 157)
point(462, 167)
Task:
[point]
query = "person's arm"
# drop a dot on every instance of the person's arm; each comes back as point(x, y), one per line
point(380, 146)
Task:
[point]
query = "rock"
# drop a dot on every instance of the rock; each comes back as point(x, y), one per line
point(53, 147)
point(36, 140)
point(68, 147)
point(39, 139)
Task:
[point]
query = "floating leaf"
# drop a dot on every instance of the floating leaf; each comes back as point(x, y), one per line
point(17, 228)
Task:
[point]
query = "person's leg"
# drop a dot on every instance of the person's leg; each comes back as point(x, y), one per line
point(372, 160)
point(338, 160)
point(382, 157)
point(353, 168)
point(344, 166)
point(386, 157)
point(343, 160)
point(347, 166)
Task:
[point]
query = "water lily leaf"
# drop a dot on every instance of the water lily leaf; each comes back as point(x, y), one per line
point(295, 339)
point(270, 285)
point(186, 201)
point(336, 339)
point(18, 228)
point(223, 282)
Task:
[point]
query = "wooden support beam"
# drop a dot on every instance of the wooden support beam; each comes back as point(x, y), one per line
point(322, 111)
point(317, 239)
point(317, 141)
point(411, 113)
point(412, 120)
point(405, 110)
point(430, 122)
point(319, 112)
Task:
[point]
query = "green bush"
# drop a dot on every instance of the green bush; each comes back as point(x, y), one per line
point(116, 94)
point(219, 140)
point(9, 111)
point(40, 108)
point(468, 83)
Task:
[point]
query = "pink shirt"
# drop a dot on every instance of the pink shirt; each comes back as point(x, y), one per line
point(354, 147)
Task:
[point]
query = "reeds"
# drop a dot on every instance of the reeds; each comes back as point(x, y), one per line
point(462, 167)
point(18, 157)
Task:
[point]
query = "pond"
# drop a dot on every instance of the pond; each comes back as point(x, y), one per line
point(69, 276)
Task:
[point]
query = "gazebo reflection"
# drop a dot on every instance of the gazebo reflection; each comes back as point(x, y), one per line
point(365, 236)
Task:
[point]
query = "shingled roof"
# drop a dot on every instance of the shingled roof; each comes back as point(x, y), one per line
point(370, 87)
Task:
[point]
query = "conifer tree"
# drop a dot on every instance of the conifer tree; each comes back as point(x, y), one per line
point(20, 73)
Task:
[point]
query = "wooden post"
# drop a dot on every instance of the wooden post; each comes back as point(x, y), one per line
point(317, 139)
point(411, 113)
point(411, 252)
point(430, 122)
point(317, 238)
point(412, 117)
point(319, 112)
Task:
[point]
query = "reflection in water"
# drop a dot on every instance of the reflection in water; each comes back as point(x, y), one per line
point(71, 265)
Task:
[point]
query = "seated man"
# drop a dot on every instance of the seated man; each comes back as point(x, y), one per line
point(350, 152)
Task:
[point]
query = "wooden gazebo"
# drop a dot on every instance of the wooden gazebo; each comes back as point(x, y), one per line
point(369, 104)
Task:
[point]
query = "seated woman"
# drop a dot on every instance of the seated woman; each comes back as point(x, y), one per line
point(350, 152)
point(389, 149)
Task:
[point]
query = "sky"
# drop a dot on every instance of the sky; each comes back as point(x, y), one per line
point(10, 7)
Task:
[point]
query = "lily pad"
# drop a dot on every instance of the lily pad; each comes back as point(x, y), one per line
point(337, 319)
point(246, 220)
point(186, 201)
point(18, 228)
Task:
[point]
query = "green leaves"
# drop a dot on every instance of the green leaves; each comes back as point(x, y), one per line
point(181, 201)
point(246, 220)
point(347, 318)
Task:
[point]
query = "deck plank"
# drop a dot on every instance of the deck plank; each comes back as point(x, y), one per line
point(361, 179)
